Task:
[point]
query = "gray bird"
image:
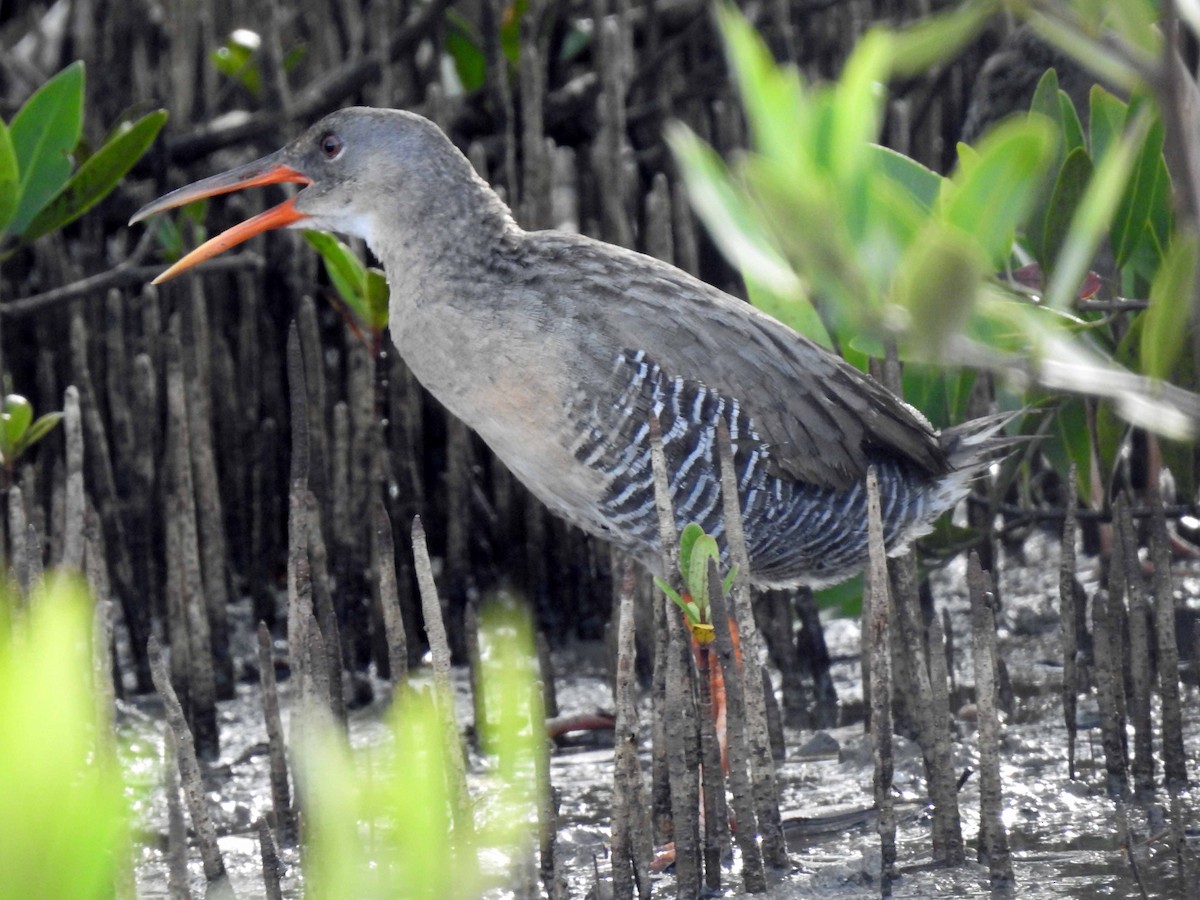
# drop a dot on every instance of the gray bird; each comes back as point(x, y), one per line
point(556, 348)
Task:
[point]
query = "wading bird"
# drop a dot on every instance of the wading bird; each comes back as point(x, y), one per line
point(556, 348)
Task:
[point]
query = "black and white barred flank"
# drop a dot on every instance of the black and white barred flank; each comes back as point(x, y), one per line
point(791, 526)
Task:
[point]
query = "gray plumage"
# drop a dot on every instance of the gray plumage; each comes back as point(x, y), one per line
point(556, 348)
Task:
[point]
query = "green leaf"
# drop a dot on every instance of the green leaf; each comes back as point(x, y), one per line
point(1164, 332)
point(933, 39)
point(9, 177)
point(1068, 119)
point(41, 427)
point(687, 540)
point(1094, 213)
point(98, 176)
point(346, 271)
point(776, 110)
point(703, 550)
point(1045, 104)
point(728, 580)
point(377, 299)
point(670, 592)
point(857, 107)
point(937, 283)
point(14, 421)
point(1106, 120)
point(991, 197)
point(797, 312)
point(237, 59)
point(922, 184)
point(1045, 96)
point(736, 228)
point(463, 44)
point(1103, 62)
point(1069, 189)
point(844, 598)
point(938, 392)
point(1145, 185)
point(1070, 441)
point(44, 132)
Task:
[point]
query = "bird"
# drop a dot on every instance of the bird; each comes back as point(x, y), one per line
point(557, 348)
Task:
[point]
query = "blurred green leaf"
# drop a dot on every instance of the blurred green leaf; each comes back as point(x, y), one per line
point(63, 819)
point(937, 284)
point(574, 43)
point(1045, 96)
point(1069, 189)
point(465, 47)
point(796, 312)
point(510, 29)
point(1145, 187)
point(9, 178)
point(237, 59)
point(939, 37)
point(940, 393)
point(98, 175)
point(1045, 104)
point(1136, 22)
point(1094, 214)
point(389, 817)
point(1165, 328)
point(779, 119)
point(44, 132)
point(737, 229)
point(845, 598)
point(855, 114)
point(14, 420)
point(992, 196)
point(921, 183)
point(1072, 129)
point(1070, 441)
point(1106, 120)
point(1088, 49)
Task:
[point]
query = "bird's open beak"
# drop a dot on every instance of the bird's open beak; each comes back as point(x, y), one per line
point(267, 170)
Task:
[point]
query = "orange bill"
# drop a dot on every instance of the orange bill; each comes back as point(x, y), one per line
point(259, 172)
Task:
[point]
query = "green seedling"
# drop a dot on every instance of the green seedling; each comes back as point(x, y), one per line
point(696, 548)
point(19, 430)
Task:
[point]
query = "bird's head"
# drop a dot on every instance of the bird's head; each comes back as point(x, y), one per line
point(364, 170)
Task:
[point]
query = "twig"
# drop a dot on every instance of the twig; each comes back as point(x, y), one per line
point(124, 274)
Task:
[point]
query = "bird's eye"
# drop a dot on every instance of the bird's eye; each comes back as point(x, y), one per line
point(331, 145)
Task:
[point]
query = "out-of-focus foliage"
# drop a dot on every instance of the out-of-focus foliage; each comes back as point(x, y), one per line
point(375, 821)
point(48, 175)
point(63, 819)
point(854, 244)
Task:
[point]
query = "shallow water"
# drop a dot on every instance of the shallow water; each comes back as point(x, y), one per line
point(1063, 834)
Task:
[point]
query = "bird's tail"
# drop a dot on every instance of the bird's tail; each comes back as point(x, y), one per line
point(971, 448)
point(975, 445)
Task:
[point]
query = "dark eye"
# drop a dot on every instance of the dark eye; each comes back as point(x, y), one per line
point(331, 145)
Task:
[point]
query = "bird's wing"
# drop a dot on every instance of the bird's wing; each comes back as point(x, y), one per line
point(817, 414)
